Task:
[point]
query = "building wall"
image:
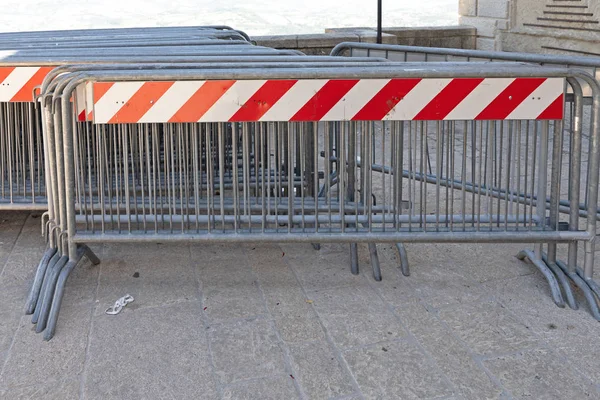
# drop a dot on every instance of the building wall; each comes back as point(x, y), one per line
point(539, 26)
point(320, 44)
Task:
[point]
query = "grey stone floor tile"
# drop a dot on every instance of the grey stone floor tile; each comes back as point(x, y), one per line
point(318, 371)
point(356, 316)
point(264, 389)
point(439, 286)
point(539, 374)
point(32, 360)
point(488, 328)
point(567, 331)
point(64, 389)
point(12, 299)
point(159, 352)
point(297, 322)
point(396, 370)
point(154, 275)
point(469, 378)
point(294, 317)
point(245, 349)
point(230, 290)
point(320, 269)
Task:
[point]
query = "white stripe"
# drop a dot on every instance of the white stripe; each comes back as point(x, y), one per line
point(481, 97)
point(89, 98)
point(231, 101)
point(355, 99)
point(15, 82)
point(112, 101)
point(417, 99)
point(170, 102)
point(539, 99)
point(294, 99)
point(80, 99)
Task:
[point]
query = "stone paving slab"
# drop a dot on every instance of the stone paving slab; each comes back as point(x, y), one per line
point(289, 322)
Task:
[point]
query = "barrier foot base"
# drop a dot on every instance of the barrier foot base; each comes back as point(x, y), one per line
point(38, 305)
point(59, 289)
point(36, 287)
point(47, 295)
point(541, 265)
point(316, 246)
point(588, 293)
point(404, 267)
point(375, 262)
point(563, 280)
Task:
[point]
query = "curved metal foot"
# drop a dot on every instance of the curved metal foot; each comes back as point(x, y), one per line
point(60, 289)
point(564, 282)
point(582, 284)
point(36, 287)
point(375, 262)
point(554, 287)
point(38, 305)
point(589, 282)
point(354, 258)
point(49, 293)
point(404, 267)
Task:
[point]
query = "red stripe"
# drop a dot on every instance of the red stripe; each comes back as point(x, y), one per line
point(5, 72)
point(141, 101)
point(386, 99)
point(262, 100)
point(100, 89)
point(201, 101)
point(447, 99)
point(25, 94)
point(327, 97)
point(81, 116)
point(554, 110)
point(510, 98)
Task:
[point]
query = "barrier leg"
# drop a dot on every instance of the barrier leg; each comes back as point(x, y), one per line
point(49, 293)
point(404, 266)
point(38, 304)
point(375, 261)
point(354, 258)
point(34, 293)
point(60, 288)
point(541, 265)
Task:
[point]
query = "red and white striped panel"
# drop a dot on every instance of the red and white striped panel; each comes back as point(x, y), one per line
point(17, 83)
point(329, 100)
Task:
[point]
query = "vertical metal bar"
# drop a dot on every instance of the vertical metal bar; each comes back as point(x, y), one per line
point(542, 182)
point(557, 143)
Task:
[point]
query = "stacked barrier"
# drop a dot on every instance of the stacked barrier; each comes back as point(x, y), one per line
point(27, 57)
point(195, 135)
point(232, 152)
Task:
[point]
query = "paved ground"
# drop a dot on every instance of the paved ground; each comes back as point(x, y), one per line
point(283, 322)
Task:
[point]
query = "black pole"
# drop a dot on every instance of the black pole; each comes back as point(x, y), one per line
point(379, 21)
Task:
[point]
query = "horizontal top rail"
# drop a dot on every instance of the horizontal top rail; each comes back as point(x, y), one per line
point(568, 61)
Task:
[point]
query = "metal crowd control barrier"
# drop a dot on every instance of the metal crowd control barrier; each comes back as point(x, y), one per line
point(22, 182)
point(111, 33)
point(234, 153)
point(575, 120)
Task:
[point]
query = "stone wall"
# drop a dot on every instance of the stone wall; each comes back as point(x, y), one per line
point(321, 44)
point(539, 26)
point(489, 17)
